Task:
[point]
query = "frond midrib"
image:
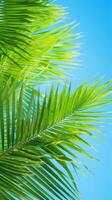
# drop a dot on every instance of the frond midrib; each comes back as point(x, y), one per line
point(20, 144)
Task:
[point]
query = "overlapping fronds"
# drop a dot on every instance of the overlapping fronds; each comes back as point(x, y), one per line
point(40, 140)
point(40, 137)
point(18, 19)
point(29, 47)
point(52, 52)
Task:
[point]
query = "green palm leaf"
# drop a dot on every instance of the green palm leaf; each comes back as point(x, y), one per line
point(29, 46)
point(40, 140)
point(18, 19)
point(41, 136)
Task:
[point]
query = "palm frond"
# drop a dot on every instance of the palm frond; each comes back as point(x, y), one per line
point(29, 45)
point(39, 142)
point(18, 19)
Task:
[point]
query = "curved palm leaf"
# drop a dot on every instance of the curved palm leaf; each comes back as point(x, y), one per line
point(39, 141)
point(29, 46)
point(18, 19)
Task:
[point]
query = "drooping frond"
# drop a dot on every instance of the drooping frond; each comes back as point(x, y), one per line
point(39, 140)
point(29, 47)
point(19, 19)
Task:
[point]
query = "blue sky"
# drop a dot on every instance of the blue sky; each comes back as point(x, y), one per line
point(95, 22)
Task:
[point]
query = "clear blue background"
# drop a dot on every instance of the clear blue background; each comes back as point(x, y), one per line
point(96, 53)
